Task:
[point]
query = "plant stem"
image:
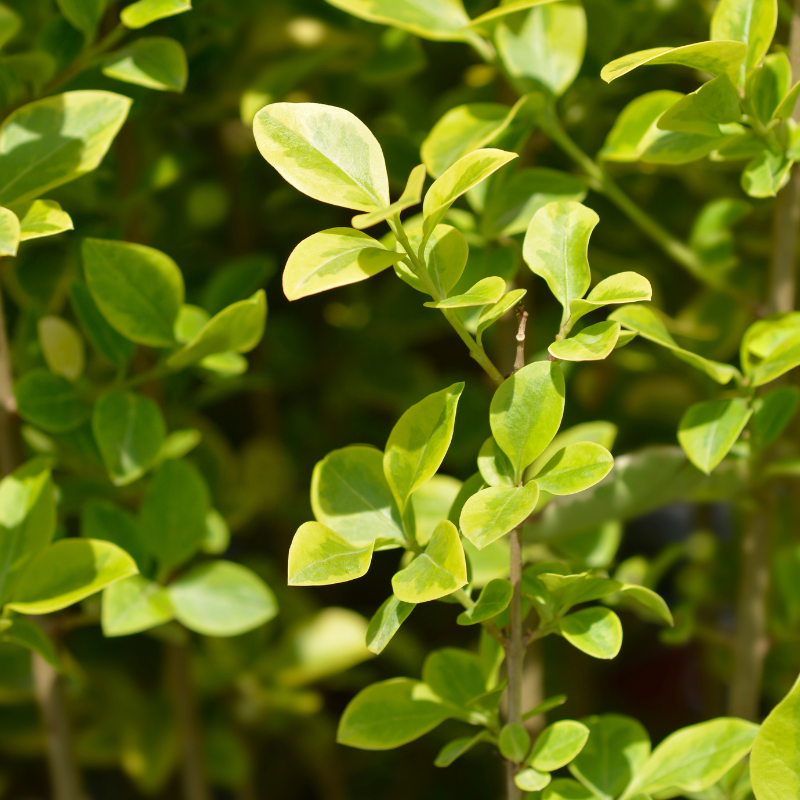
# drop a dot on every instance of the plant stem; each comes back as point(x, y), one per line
point(10, 448)
point(194, 784)
point(515, 655)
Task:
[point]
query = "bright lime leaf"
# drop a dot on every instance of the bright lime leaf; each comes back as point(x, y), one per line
point(526, 412)
point(575, 468)
point(493, 512)
point(446, 254)
point(486, 291)
point(319, 556)
point(386, 622)
point(646, 603)
point(749, 21)
point(55, 140)
point(41, 218)
point(133, 605)
point(139, 290)
point(156, 62)
point(567, 789)
point(561, 592)
point(412, 195)
point(768, 85)
point(592, 344)
point(556, 246)
point(595, 630)
point(771, 347)
point(218, 534)
point(494, 466)
point(220, 598)
point(772, 412)
point(105, 339)
point(508, 7)
point(10, 234)
point(514, 742)
point(624, 287)
point(493, 313)
point(455, 749)
point(419, 441)
point(766, 173)
point(332, 258)
point(707, 431)
point(130, 431)
point(389, 714)
point(531, 780)
point(66, 572)
point(432, 503)
point(493, 599)
point(62, 347)
point(50, 401)
point(324, 152)
point(143, 12)
point(439, 571)
point(558, 744)
point(702, 112)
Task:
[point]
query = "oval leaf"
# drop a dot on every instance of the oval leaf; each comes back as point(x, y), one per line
point(62, 347)
point(558, 744)
point(143, 12)
point(133, 605)
point(156, 62)
point(595, 630)
point(494, 512)
point(575, 468)
point(493, 600)
point(319, 556)
point(707, 431)
point(592, 344)
point(50, 401)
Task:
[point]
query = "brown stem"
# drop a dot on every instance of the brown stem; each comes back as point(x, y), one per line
point(195, 785)
point(783, 282)
point(10, 448)
point(515, 655)
point(519, 361)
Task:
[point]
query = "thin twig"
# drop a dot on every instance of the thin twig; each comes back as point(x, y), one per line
point(522, 316)
point(515, 655)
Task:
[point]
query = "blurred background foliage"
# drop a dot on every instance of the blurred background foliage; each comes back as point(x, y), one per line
point(184, 176)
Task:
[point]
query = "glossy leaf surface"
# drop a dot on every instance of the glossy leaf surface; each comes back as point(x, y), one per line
point(319, 556)
point(133, 605)
point(156, 62)
point(708, 430)
point(494, 512)
point(593, 343)
point(596, 631)
point(575, 468)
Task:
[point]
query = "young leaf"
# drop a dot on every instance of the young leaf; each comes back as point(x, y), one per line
point(567, 789)
point(712, 57)
point(493, 600)
point(432, 503)
point(84, 15)
point(772, 412)
point(38, 218)
point(531, 780)
point(467, 172)
point(775, 760)
point(389, 714)
point(412, 195)
point(557, 745)
point(319, 556)
point(493, 512)
point(565, 591)
point(66, 572)
point(645, 322)
point(439, 571)
point(694, 758)
point(646, 603)
point(133, 605)
point(446, 254)
point(707, 431)
point(139, 290)
point(766, 86)
point(752, 22)
point(595, 630)
point(156, 62)
point(220, 598)
point(143, 12)
point(386, 622)
point(9, 232)
point(30, 635)
point(333, 258)
point(50, 401)
point(702, 112)
point(592, 344)
point(105, 339)
point(62, 347)
point(129, 431)
point(616, 750)
point(526, 412)
point(237, 328)
point(419, 441)
point(454, 675)
point(350, 495)
point(491, 314)
point(575, 468)
point(494, 466)
point(485, 292)
point(624, 287)
point(455, 749)
point(324, 152)
point(514, 742)
point(555, 248)
point(771, 347)
point(53, 141)
point(766, 173)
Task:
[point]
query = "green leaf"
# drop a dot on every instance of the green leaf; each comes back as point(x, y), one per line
point(56, 140)
point(237, 328)
point(505, 8)
point(772, 412)
point(494, 466)
point(751, 22)
point(595, 630)
point(30, 635)
point(493, 313)
point(694, 758)
point(493, 512)
point(85, 15)
point(220, 598)
point(775, 760)
point(10, 234)
point(712, 57)
point(464, 129)
point(616, 750)
point(133, 605)
point(115, 347)
point(786, 107)
point(143, 12)
point(386, 622)
point(526, 412)
point(441, 20)
point(101, 519)
point(545, 706)
point(575, 468)
point(412, 195)
point(419, 441)
point(389, 714)
point(702, 111)
point(531, 780)
point(129, 431)
point(624, 287)
point(458, 179)
point(645, 322)
point(514, 742)
point(557, 745)
point(40, 218)
point(592, 344)
point(324, 152)
point(485, 292)
point(319, 556)
point(437, 572)
point(771, 347)
point(768, 85)
point(636, 128)
point(707, 431)
point(555, 248)
point(674, 147)
point(172, 518)
point(766, 173)
point(350, 495)
point(50, 401)
point(68, 571)
point(567, 789)
point(561, 592)
point(456, 676)
point(493, 600)
point(445, 256)
point(333, 258)
point(546, 46)
point(62, 347)
point(10, 23)
point(156, 62)
point(432, 503)
point(218, 534)
point(455, 749)
point(646, 603)
point(139, 290)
